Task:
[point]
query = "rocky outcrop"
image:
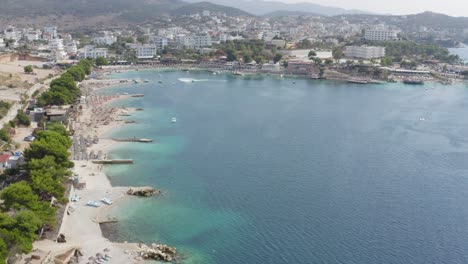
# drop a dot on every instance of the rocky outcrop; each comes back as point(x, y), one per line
point(143, 191)
point(158, 252)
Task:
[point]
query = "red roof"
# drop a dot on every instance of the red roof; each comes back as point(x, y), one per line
point(4, 157)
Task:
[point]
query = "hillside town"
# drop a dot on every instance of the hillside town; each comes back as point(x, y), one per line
point(350, 48)
point(53, 116)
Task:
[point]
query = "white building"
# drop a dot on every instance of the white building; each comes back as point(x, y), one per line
point(12, 34)
point(49, 33)
point(71, 47)
point(201, 41)
point(144, 51)
point(160, 42)
point(32, 35)
point(206, 13)
point(90, 51)
point(57, 49)
point(105, 40)
point(381, 35)
point(2, 43)
point(364, 52)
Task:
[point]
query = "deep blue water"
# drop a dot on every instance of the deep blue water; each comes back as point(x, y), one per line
point(264, 170)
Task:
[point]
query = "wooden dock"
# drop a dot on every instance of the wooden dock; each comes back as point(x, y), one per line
point(113, 161)
point(141, 140)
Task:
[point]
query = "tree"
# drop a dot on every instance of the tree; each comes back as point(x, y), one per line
point(28, 69)
point(259, 60)
point(3, 251)
point(317, 60)
point(387, 61)
point(143, 39)
point(4, 135)
point(23, 119)
point(247, 58)
point(312, 54)
point(101, 61)
point(337, 53)
point(231, 55)
point(277, 58)
point(19, 196)
point(50, 147)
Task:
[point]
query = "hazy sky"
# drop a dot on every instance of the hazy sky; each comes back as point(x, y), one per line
point(450, 7)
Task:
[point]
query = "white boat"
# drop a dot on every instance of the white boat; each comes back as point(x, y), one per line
point(173, 120)
point(106, 201)
point(92, 203)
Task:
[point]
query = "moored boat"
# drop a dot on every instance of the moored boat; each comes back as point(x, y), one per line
point(413, 81)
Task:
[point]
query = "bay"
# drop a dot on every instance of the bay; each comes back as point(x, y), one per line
point(271, 170)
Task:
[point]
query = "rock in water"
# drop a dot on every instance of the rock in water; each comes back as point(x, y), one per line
point(158, 252)
point(143, 191)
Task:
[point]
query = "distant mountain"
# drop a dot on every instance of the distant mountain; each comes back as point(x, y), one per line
point(290, 13)
point(414, 22)
point(86, 13)
point(201, 6)
point(261, 7)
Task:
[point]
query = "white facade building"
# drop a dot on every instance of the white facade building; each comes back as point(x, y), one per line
point(49, 33)
point(364, 52)
point(12, 33)
point(105, 40)
point(57, 49)
point(200, 41)
point(90, 51)
point(71, 48)
point(381, 35)
point(2, 43)
point(32, 35)
point(144, 51)
point(160, 42)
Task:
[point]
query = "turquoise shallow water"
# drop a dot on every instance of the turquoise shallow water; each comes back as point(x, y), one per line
point(269, 170)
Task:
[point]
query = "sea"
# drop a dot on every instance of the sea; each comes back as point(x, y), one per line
point(461, 52)
point(263, 169)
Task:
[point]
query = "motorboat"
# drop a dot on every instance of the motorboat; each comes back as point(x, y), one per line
point(92, 203)
point(106, 201)
point(173, 120)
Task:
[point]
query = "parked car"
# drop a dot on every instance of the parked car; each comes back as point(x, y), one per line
point(30, 138)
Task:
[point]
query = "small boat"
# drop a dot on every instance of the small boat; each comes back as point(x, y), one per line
point(92, 203)
point(106, 201)
point(173, 120)
point(413, 81)
point(125, 93)
point(160, 81)
point(422, 119)
point(146, 81)
point(238, 73)
point(75, 198)
point(357, 81)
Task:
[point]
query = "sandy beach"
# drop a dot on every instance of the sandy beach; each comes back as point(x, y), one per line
point(81, 224)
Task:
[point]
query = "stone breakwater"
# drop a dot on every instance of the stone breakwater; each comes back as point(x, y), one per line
point(143, 191)
point(157, 252)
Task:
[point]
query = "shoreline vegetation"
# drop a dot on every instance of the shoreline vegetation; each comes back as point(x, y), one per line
point(53, 203)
